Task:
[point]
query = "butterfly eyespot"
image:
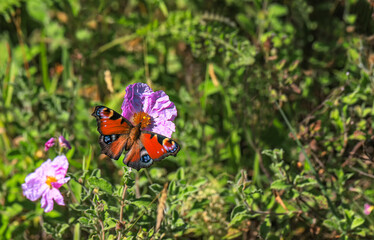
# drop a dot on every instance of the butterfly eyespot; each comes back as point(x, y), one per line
point(146, 158)
point(107, 139)
point(98, 111)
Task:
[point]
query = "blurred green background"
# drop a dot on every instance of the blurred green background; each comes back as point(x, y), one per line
point(275, 106)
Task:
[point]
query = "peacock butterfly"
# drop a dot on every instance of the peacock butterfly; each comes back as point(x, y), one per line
point(118, 134)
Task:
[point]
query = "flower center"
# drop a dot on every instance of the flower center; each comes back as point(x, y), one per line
point(50, 180)
point(142, 118)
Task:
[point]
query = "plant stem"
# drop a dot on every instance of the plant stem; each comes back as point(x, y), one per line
point(121, 211)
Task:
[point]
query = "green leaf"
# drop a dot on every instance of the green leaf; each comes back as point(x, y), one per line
point(277, 10)
point(280, 184)
point(83, 34)
point(100, 183)
point(357, 222)
point(240, 217)
point(83, 220)
point(303, 182)
point(143, 202)
point(75, 6)
point(156, 188)
point(38, 10)
point(332, 224)
point(265, 228)
point(236, 210)
point(180, 174)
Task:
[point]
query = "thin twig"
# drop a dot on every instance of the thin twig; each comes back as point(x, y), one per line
point(137, 188)
point(44, 234)
point(123, 203)
point(121, 211)
point(362, 172)
point(102, 229)
point(352, 153)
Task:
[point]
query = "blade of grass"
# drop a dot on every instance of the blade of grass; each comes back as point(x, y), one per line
point(77, 232)
point(44, 63)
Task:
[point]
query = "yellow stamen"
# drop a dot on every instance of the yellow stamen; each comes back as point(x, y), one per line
point(50, 180)
point(143, 118)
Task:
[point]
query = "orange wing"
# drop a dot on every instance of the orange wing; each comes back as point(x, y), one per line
point(110, 122)
point(137, 157)
point(114, 130)
point(148, 148)
point(115, 134)
point(158, 146)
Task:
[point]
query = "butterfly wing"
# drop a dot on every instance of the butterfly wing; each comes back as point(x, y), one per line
point(148, 148)
point(118, 134)
point(114, 130)
point(158, 146)
point(137, 157)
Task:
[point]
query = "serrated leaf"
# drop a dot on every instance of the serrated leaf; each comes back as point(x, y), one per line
point(63, 228)
point(331, 223)
point(156, 188)
point(239, 218)
point(84, 220)
point(236, 210)
point(180, 174)
point(280, 184)
point(305, 182)
point(173, 189)
point(143, 202)
point(100, 183)
point(110, 223)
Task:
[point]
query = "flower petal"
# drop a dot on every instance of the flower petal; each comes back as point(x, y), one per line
point(49, 144)
point(60, 166)
point(47, 201)
point(49, 197)
point(34, 189)
point(60, 182)
point(140, 98)
point(36, 185)
point(134, 97)
point(367, 209)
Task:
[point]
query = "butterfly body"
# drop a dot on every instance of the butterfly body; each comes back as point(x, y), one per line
point(118, 134)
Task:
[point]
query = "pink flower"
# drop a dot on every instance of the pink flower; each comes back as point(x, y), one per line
point(368, 208)
point(50, 143)
point(153, 110)
point(45, 182)
point(63, 142)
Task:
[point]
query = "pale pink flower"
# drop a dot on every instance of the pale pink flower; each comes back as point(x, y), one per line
point(45, 182)
point(368, 208)
point(140, 100)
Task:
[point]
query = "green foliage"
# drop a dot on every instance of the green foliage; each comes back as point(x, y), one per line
point(274, 98)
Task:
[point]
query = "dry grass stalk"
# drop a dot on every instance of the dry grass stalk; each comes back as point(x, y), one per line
point(161, 207)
